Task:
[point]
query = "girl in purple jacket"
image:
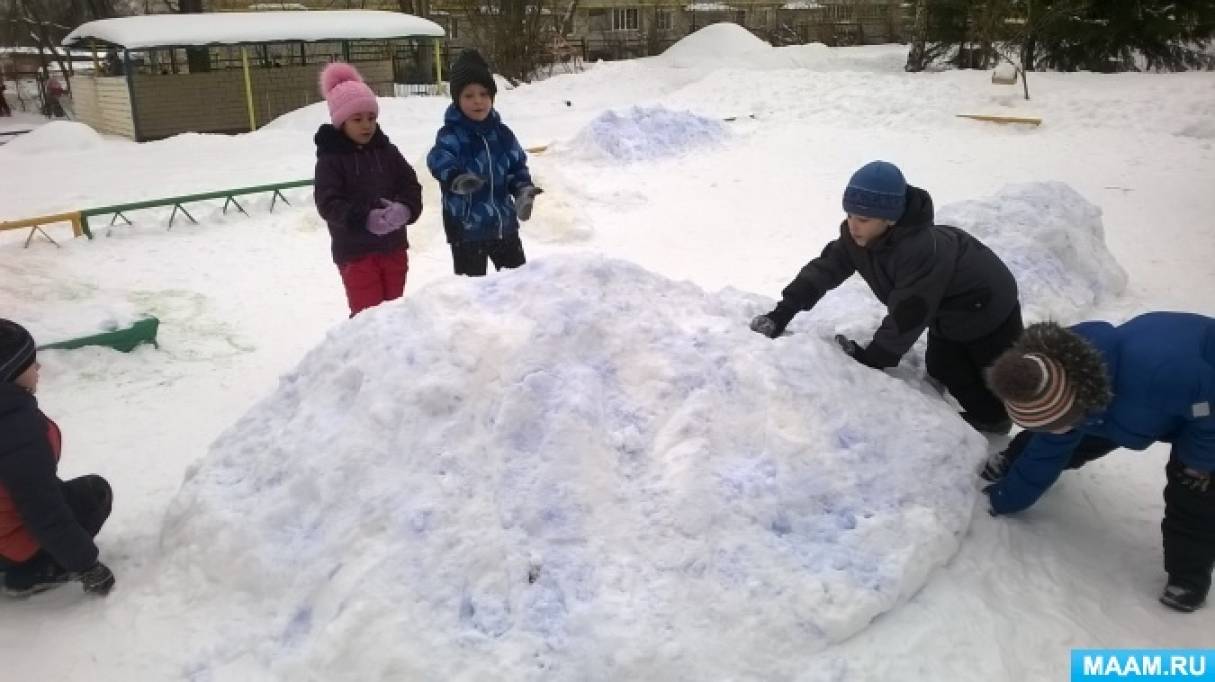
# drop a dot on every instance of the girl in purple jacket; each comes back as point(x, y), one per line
point(365, 191)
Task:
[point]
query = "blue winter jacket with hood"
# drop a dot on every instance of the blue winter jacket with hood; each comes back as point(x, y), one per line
point(486, 148)
point(1162, 371)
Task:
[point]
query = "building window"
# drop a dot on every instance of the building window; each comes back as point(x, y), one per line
point(454, 33)
point(624, 19)
point(664, 19)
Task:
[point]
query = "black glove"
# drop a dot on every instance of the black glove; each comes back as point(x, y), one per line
point(773, 324)
point(1196, 481)
point(996, 467)
point(765, 325)
point(987, 491)
point(866, 356)
point(467, 183)
point(524, 200)
point(98, 580)
point(852, 348)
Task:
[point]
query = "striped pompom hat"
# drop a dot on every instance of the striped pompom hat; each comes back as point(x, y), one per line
point(1050, 379)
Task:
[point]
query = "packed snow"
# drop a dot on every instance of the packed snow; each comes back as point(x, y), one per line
point(56, 137)
point(261, 387)
point(646, 133)
point(545, 478)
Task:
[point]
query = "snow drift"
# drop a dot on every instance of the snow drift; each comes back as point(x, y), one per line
point(579, 470)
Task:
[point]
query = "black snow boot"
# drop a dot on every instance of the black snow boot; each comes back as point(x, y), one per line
point(1182, 598)
point(36, 575)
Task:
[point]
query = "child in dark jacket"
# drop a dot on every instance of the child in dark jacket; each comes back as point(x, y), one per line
point(46, 525)
point(365, 190)
point(483, 173)
point(930, 277)
point(1082, 392)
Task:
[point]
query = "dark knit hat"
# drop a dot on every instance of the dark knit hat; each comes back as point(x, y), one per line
point(1050, 378)
point(469, 68)
point(877, 190)
point(16, 350)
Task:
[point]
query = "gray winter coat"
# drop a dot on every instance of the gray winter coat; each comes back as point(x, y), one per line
point(928, 276)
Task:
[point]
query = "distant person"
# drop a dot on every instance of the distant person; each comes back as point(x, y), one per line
point(930, 277)
point(113, 63)
point(47, 525)
point(365, 190)
point(1082, 392)
point(54, 90)
point(4, 108)
point(482, 171)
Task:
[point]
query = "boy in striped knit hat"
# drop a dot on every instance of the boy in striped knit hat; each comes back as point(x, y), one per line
point(1085, 391)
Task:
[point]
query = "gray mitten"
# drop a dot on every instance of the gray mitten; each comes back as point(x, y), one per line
point(467, 183)
point(524, 201)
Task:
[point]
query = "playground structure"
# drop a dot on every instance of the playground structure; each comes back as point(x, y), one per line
point(159, 75)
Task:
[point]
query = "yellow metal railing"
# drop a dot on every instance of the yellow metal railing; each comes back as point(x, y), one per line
point(37, 223)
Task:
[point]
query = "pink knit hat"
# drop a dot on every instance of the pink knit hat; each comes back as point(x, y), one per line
point(343, 88)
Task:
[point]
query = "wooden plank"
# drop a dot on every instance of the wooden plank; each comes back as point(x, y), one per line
point(994, 118)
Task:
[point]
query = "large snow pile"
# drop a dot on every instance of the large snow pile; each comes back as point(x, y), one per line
point(646, 133)
point(578, 470)
point(716, 43)
point(55, 137)
point(730, 46)
point(1052, 239)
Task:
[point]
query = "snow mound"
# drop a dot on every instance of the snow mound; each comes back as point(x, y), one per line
point(1052, 239)
point(646, 133)
point(578, 470)
point(716, 42)
point(56, 137)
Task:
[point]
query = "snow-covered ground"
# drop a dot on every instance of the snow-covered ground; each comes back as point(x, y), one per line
point(589, 468)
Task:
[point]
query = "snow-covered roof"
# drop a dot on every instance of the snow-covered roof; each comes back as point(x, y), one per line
point(708, 7)
point(235, 28)
point(801, 5)
point(82, 54)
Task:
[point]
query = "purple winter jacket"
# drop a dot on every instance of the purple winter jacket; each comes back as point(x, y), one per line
point(350, 181)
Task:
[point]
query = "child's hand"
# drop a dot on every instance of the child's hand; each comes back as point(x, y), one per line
point(467, 183)
point(395, 212)
point(379, 222)
point(524, 200)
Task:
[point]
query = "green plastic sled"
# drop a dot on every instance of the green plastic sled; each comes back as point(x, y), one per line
point(124, 340)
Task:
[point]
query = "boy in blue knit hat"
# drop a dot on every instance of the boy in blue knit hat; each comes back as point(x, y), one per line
point(930, 277)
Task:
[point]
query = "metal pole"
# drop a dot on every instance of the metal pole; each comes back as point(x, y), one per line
point(128, 69)
point(438, 65)
point(244, 59)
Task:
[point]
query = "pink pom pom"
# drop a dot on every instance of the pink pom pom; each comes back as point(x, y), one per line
point(336, 74)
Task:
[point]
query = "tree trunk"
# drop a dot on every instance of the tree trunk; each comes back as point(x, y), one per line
point(917, 58)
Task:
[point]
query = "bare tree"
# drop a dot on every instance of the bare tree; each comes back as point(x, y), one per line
point(516, 34)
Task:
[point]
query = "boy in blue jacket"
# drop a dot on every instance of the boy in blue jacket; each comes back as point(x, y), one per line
point(1083, 392)
point(483, 173)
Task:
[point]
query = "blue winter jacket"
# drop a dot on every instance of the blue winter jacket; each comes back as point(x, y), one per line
point(489, 149)
point(1162, 371)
